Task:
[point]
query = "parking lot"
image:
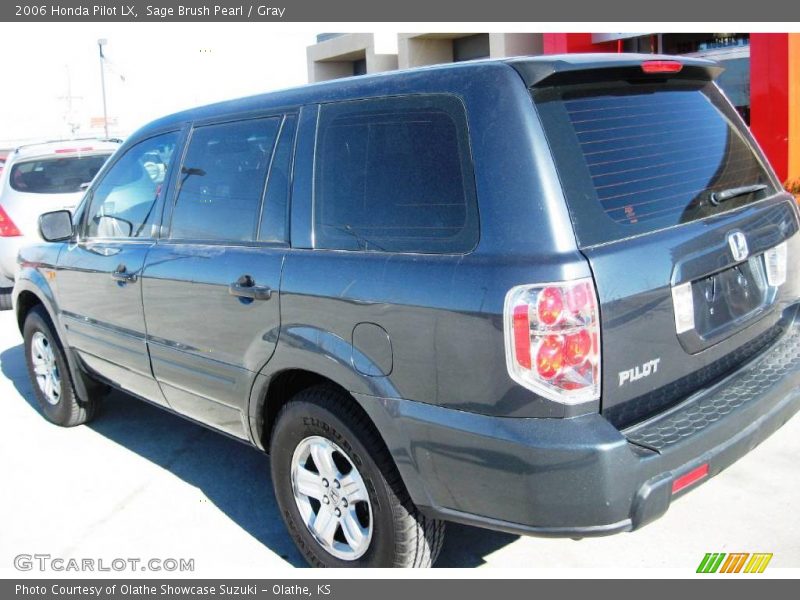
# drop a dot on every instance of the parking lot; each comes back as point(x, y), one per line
point(139, 482)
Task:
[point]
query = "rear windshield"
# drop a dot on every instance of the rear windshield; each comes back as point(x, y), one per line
point(637, 157)
point(63, 175)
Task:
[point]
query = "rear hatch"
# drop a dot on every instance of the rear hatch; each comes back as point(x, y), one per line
point(38, 184)
point(681, 219)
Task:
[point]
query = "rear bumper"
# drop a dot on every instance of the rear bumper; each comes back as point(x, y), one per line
point(583, 477)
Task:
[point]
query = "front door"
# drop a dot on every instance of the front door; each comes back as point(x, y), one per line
point(99, 278)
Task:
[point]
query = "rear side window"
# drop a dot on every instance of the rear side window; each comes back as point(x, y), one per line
point(222, 180)
point(639, 157)
point(395, 175)
point(55, 175)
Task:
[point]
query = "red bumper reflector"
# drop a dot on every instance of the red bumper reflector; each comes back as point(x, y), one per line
point(661, 66)
point(689, 478)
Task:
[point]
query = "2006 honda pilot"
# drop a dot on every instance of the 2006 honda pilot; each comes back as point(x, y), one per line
point(540, 295)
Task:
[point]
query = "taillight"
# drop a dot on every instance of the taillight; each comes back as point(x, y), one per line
point(662, 66)
point(552, 337)
point(7, 227)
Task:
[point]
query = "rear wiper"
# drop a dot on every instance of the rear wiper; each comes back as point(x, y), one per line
point(717, 198)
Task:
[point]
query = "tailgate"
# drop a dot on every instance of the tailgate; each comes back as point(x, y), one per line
point(55, 181)
point(688, 234)
point(25, 209)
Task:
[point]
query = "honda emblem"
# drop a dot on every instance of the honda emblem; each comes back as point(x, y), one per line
point(738, 244)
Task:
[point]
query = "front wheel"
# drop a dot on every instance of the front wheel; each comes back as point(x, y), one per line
point(49, 373)
point(339, 491)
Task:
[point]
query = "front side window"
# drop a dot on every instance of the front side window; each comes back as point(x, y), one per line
point(123, 203)
point(222, 181)
point(395, 175)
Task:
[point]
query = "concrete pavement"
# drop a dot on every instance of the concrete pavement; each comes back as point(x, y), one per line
point(139, 482)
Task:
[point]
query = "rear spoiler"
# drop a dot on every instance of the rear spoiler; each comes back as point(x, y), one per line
point(110, 140)
point(593, 68)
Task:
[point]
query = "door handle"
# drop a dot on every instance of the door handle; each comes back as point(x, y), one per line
point(122, 275)
point(245, 287)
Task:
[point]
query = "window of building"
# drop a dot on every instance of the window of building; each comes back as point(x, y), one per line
point(395, 175)
point(123, 203)
point(471, 47)
point(221, 182)
point(689, 43)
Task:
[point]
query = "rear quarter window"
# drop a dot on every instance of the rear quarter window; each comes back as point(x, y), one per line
point(395, 175)
point(56, 175)
point(635, 157)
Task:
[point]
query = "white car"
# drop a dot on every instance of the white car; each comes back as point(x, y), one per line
point(39, 178)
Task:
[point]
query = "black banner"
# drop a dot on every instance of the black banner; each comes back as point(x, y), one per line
point(385, 589)
point(452, 11)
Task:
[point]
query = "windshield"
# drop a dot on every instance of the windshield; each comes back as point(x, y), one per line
point(639, 157)
point(61, 175)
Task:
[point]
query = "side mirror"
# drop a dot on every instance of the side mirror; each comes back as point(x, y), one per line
point(56, 226)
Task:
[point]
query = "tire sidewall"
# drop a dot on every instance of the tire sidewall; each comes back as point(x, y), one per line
point(5, 300)
point(60, 412)
point(299, 420)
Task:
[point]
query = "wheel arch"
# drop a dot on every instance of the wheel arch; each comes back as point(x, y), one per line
point(279, 388)
point(32, 290)
point(282, 385)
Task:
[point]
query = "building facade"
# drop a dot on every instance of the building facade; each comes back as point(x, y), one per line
point(761, 77)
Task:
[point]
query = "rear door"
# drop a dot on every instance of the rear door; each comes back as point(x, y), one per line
point(211, 284)
point(98, 280)
point(683, 223)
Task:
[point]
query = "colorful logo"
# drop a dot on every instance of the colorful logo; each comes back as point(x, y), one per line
point(735, 562)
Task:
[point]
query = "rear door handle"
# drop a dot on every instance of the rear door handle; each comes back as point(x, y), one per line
point(245, 287)
point(123, 275)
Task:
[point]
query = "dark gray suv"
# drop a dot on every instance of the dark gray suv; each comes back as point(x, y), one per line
point(542, 295)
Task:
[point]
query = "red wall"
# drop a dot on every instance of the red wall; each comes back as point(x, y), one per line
point(769, 97)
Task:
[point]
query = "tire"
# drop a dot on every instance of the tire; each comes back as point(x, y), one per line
point(398, 535)
point(43, 350)
point(5, 299)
